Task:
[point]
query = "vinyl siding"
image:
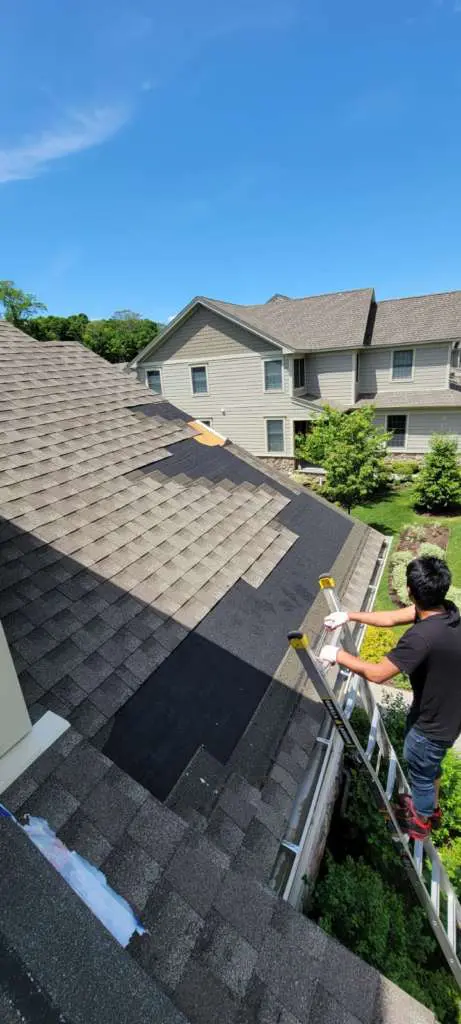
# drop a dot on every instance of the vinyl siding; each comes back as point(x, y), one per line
point(331, 375)
point(421, 424)
point(429, 369)
point(205, 334)
point(236, 401)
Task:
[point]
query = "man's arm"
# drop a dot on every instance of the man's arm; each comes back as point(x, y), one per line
point(380, 673)
point(402, 617)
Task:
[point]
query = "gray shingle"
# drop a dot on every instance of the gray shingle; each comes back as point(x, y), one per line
point(326, 1010)
point(132, 873)
point(81, 835)
point(293, 980)
point(227, 955)
point(158, 830)
point(111, 695)
point(247, 905)
point(82, 770)
point(203, 998)
point(173, 931)
point(109, 807)
point(352, 982)
point(196, 871)
point(52, 802)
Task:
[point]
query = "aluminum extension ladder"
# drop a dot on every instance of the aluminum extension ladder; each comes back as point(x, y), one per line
point(437, 896)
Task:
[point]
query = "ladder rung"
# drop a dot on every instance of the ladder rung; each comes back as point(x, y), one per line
point(418, 854)
point(451, 918)
point(435, 886)
point(373, 733)
point(391, 773)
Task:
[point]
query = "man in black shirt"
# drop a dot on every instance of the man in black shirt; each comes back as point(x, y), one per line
point(430, 654)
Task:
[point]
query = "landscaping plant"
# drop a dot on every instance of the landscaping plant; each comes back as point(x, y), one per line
point(352, 450)
point(438, 485)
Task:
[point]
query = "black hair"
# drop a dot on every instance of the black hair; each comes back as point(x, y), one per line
point(428, 580)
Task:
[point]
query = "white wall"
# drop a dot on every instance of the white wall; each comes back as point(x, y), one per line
point(422, 423)
point(14, 719)
point(236, 401)
point(430, 369)
point(331, 375)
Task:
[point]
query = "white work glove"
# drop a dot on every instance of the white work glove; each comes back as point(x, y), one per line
point(329, 653)
point(336, 620)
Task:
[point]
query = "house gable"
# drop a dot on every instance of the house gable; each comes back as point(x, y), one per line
point(205, 334)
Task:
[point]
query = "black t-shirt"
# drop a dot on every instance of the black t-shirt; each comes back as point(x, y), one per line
point(430, 654)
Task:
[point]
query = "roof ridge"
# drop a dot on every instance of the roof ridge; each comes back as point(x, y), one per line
point(286, 298)
point(424, 295)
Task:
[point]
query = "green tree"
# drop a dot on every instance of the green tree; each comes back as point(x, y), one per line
point(438, 485)
point(57, 328)
point(352, 450)
point(18, 306)
point(125, 314)
point(119, 340)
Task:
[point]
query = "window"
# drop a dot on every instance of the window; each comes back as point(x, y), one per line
point(357, 366)
point(199, 380)
point(299, 373)
point(455, 356)
point(397, 425)
point(402, 364)
point(154, 381)
point(273, 374)
point(275, 436)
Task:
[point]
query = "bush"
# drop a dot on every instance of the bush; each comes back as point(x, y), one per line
point(403, 468)
point(399, 581)
point(451, 859)
point(438, 485)
point(376, 643)
point(355, 904)
point(433, 550)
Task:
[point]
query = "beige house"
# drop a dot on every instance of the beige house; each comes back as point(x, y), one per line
point(258, 374)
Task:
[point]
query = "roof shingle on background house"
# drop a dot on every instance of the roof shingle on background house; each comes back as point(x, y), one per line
point(334, 320)
point(147, 583)
point(419, 318)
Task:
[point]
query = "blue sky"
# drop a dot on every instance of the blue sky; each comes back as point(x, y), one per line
point(152, 151)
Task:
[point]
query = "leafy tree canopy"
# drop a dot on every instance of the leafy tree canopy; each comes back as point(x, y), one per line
point(118, 338)
point(18, 306)
point(352, 450)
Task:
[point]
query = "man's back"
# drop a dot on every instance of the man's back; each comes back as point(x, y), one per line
point(430, 654)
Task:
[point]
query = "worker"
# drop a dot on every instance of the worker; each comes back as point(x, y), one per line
point(430, 654)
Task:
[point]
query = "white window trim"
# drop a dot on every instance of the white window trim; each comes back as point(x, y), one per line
point(402, 380)
point(148, 370)
point(208, 423)
point(268, 419)
point(199, 366)
point(399, 448)
point(273, 391)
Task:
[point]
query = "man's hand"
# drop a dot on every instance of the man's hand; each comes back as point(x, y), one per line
point(336, 619)
point(329, 653)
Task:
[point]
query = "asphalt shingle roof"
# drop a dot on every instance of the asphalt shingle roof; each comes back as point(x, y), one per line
point(416, 319)
point(335, 320)
point(443, 398)
point(120, 539)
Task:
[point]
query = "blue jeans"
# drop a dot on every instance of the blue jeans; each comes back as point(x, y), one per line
point(424, 758)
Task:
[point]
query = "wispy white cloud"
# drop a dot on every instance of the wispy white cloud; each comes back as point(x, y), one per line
point(80, 130)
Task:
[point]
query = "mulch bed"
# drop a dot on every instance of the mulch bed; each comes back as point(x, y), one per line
point(432, 535)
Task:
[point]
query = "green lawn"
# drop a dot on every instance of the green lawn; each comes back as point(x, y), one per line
point(389, 515)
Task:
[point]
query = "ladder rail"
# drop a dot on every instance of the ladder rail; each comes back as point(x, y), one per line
point(339, 702)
